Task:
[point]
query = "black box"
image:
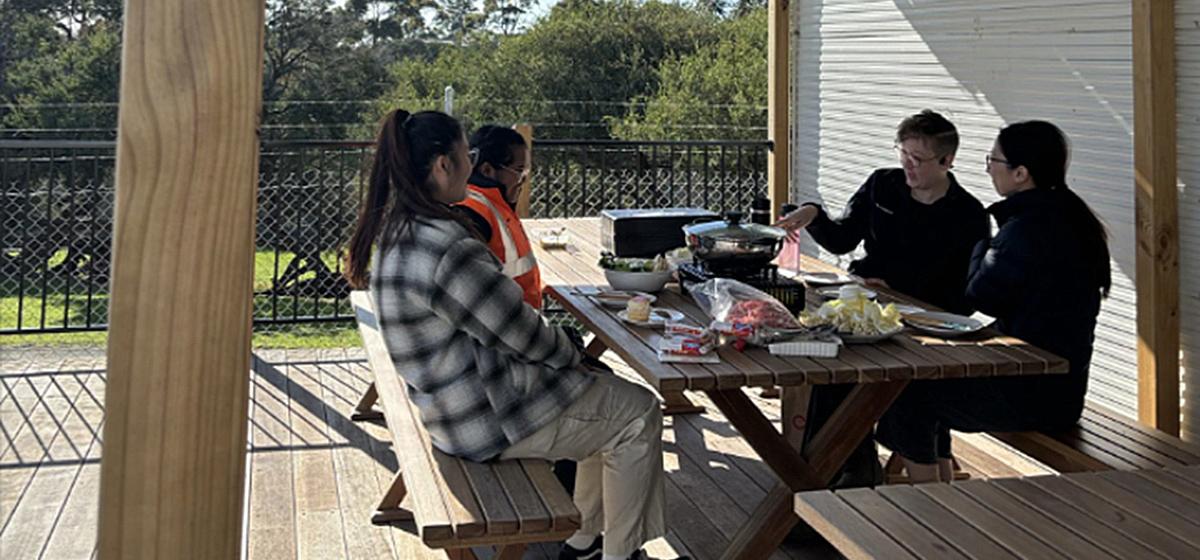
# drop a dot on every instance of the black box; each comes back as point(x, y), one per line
point(646, 233)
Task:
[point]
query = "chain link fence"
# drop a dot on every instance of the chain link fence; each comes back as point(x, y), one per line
point(56, 217)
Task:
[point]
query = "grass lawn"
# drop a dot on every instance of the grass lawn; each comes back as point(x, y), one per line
point(78, 307)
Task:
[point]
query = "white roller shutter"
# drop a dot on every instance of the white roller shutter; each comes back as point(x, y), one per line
point(1187, 93)
point(859, 67)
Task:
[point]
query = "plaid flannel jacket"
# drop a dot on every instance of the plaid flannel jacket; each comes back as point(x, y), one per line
point(482, 367)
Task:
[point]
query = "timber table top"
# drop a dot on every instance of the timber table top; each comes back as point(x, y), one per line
point(906, 356)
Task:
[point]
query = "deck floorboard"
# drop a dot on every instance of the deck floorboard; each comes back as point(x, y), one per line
point(315, 476)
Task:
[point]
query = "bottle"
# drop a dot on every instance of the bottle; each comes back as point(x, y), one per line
point(789, 254)
point(760, 210)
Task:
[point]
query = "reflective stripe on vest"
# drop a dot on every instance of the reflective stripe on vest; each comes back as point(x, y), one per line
point(514, 266)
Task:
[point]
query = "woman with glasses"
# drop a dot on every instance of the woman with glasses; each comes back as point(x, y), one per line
point(1042, 276)
point(500, 166)
point(917, 226)
point(491, 379)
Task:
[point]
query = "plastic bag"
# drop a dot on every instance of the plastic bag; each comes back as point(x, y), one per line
point(737, 303)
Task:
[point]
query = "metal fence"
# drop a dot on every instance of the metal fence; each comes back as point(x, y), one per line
point(56, 215)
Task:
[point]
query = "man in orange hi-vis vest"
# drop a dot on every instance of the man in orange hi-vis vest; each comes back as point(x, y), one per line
point(502, 164)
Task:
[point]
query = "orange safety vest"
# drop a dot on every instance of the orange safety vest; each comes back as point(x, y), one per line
point(509, 242)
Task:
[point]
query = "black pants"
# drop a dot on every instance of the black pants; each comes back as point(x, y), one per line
point(918, 424)
point(861, 468)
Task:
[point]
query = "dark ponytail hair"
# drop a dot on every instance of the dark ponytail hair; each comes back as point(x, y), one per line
point(398, 191)
point(1044, 150)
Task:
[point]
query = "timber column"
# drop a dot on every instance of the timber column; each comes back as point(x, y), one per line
point(173, 466)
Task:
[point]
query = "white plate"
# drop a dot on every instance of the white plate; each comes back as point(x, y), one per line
point(833, 292)
point(867, 339)
point(618, 300)
point(658, 317)
point(824, 278)
point(966, 325)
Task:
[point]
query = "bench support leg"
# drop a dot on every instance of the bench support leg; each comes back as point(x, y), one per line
point(596, 348)
point(461, 554)
point(389, 510)
point(365, 409)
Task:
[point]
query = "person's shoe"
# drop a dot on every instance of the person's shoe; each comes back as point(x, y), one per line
point(860, 474)
point(568, 552)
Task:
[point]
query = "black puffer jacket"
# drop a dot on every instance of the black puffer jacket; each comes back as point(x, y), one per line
point(1034, 277)
point(920, 250)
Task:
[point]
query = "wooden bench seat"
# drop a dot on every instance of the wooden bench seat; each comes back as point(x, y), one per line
point(457, 504)
point(1130, 514)
point(1103, 440)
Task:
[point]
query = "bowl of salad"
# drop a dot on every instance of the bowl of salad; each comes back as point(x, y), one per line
point(637, 275)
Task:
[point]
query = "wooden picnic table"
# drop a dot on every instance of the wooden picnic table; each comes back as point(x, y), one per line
point(1116, 514)
point(879, 371)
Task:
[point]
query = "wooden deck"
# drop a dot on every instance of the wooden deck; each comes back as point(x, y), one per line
point(315, 475)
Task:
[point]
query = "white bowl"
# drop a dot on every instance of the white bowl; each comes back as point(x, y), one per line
point(637, 281)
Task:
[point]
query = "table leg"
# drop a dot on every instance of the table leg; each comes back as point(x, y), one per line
point(768, 525)
point(794, 404)
point(810, 469)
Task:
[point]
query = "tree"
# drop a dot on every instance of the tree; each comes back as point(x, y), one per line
point(504, 16)
point(570, 70)
point(395, 28)
point(55, 80)
point(717, 92)
point(457, 19)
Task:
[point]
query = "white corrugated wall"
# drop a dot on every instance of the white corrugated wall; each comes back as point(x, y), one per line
point(860, 66)
point(1187, 93)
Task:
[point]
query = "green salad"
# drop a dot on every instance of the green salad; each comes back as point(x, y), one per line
point(627, 264)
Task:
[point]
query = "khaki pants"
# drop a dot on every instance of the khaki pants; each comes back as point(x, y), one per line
point(614, 431)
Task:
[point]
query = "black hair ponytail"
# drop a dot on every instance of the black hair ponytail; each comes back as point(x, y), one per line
point(398, 190)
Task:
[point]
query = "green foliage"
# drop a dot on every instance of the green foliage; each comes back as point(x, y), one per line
point(587, 69)
point(717, 92)
point(58, 73)
point(312, 56)
point(570, 70)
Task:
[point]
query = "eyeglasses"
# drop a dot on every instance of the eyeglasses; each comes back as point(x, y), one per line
point(522, 174)
point(907, 155)
point(473, 156)
point(988, 160)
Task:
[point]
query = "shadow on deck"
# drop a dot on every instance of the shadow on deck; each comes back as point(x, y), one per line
point(315, 476)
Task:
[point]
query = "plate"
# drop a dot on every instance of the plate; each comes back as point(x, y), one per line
point(833, 292)
point(868, 339)
point(906, 309)
point(825, 278)
point(658, 317)
point(618, 300)
point(946, 325)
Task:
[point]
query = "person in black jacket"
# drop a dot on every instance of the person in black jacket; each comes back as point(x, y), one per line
point(1042, 277)
point(918, 226)
point(916, 223)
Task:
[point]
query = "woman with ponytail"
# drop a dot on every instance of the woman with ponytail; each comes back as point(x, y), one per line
point(1042, 277)
point(490, 378)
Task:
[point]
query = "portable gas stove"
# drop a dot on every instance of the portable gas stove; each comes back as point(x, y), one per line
point(789, 292)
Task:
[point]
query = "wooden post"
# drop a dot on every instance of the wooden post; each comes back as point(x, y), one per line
point(777, 104)
point(526, 132)
point(173, 468)
point(1157, 213)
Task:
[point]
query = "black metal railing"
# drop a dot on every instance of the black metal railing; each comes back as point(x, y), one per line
point(56, 215)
